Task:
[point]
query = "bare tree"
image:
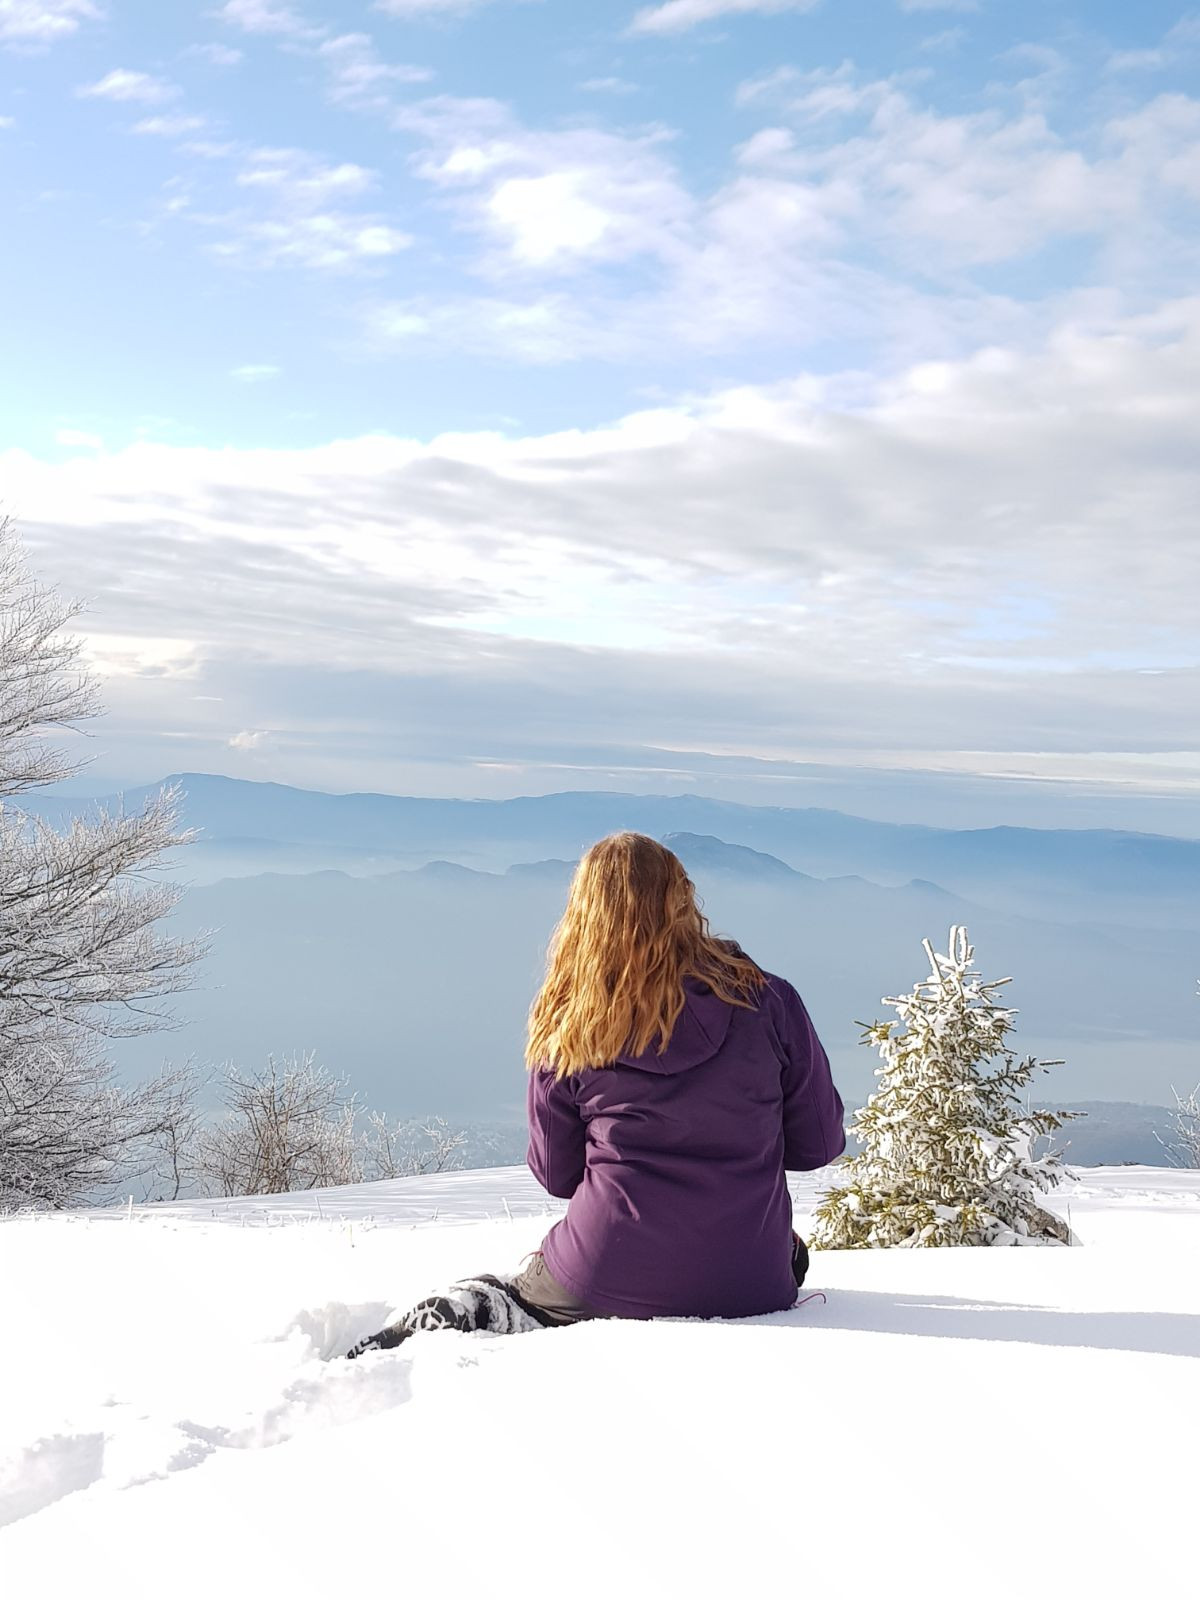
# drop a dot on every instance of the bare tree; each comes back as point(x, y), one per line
point(1183, 1148)
point(292, 1126)
point(288, 1126)
point(41, 682)
point(408, 1149)
point(67, 1130)
point(172, 1165)
point(81, 957)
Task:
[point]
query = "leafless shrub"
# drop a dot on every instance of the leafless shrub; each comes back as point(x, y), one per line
point(288, 1126)
point(1183, 1147)
point(408, 1149)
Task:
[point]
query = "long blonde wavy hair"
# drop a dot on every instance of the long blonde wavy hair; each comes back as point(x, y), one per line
point(631, 933)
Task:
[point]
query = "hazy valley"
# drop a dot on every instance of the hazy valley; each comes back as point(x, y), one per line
point(402, 939)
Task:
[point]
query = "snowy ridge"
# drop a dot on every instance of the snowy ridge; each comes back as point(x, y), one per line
point(175, 1418)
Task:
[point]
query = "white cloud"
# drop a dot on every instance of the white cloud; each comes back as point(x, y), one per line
point(123, 84)
point(357, 75)
point(767, 145)
point(169, 127)
point(304, 181)
point(211, 149)
point(139, 655)
point(1043, 74)
point(268, 17)
point(542, 329)
point(8, 122)
point(676, 16)
point(944, 43)
point(305, 214)
point(1150, 60)
point(1179, 43)
point(548, 216)
point(857, 211)
point(77, 439)
point(1160, 142)
point(987, 186)
point(42, 22)
point(428, 8)
point(556, 200)
point(323, 241)
point(217, 55)
point(249, 739)
point(254, 372)
point(961, 554)
point(939, 5)
point(620, 86)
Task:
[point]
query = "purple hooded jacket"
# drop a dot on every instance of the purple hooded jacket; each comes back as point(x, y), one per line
point(674, 1164)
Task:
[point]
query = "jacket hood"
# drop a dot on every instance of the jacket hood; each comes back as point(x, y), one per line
point(696, 1037)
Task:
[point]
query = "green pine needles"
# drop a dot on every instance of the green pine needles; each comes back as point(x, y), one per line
point(946, 1146)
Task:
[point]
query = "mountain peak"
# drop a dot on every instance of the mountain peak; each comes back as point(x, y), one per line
point(704, 852)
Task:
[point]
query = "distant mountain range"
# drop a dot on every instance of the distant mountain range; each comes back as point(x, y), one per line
point(1132, 879)
point(404, 938)
point(1110, 1133)
point(1113, 1133)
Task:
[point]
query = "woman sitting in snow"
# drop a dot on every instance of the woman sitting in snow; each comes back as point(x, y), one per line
point(672, 1082)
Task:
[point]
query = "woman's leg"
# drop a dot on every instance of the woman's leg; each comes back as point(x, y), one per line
point(799, 1259)
point(543, 1295)
point(533, 1299)
point(474, 1304)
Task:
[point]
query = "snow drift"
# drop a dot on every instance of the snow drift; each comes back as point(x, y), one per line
point(176, 1418)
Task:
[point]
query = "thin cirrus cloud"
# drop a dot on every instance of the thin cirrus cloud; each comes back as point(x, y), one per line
point(1180, 42)
point(608, 86)
point(304, 213)
point(428, 8)
point(33, 23)
point(170, 127)
point(217, 55)
point(677, 16)
point(939, 5)
point(359, 77)
point(268, 17)
point(122, 84)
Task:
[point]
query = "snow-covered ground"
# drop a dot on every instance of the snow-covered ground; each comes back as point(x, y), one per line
point(175, 1421)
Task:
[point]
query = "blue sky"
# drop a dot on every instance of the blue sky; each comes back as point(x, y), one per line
point(824, 371)
point(150, 306)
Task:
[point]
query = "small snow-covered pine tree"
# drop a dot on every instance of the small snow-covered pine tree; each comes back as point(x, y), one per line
point(946, 1146)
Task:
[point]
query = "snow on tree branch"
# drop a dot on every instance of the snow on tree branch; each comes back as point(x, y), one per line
point(946, 1151)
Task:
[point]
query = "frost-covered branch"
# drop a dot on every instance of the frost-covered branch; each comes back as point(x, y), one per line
point(69, 1131)
point(1183, 1147)
point(81, 955)
point(41, 682)
point(409, 1149)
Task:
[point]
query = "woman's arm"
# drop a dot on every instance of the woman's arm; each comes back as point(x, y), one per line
point(813, 1134)
point(556, 1134)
